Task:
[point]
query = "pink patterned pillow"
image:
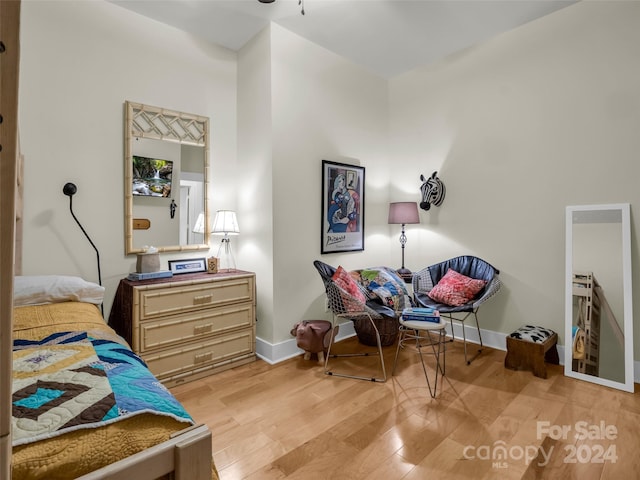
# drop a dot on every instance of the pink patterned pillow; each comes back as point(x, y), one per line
point(345, 281)
point(456, 289)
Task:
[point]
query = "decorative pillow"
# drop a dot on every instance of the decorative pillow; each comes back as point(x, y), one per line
point(456, 289)
point(39, 289)
point(345, 281)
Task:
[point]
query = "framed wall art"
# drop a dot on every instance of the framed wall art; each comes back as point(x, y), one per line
point(342, 228)
point(192, 265)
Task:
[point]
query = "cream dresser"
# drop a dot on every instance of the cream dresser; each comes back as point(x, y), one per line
point(188, 326)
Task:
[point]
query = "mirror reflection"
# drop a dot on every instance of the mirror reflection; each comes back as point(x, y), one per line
point(599, 297)
point(166, 183)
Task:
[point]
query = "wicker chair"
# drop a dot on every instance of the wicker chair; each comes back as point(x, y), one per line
point(470, 266)
point(375, 324)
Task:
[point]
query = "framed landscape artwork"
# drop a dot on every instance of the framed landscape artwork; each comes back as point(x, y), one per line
point(151, 177)
point(342, 228)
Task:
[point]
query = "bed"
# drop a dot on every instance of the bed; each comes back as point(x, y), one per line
point(84, 405)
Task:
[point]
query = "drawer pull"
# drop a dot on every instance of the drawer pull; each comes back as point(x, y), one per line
point(200, 299)
point(204, 357)
point(200, 329)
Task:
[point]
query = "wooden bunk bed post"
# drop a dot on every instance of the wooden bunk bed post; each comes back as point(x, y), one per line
point(591, 303)
point(9, 68)
point(584, 285)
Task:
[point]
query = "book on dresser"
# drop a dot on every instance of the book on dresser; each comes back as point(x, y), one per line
point(188, 326)
point(136, 276)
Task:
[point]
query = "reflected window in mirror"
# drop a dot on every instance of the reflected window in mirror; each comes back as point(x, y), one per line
point(166, 179)
point(598, 305)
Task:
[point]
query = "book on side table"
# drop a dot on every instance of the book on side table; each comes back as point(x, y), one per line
point(421, 314)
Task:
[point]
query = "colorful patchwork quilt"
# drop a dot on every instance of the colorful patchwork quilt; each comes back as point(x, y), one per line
point(73, 380)
point(384, 283)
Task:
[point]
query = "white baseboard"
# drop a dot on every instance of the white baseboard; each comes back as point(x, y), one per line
point(275, 353)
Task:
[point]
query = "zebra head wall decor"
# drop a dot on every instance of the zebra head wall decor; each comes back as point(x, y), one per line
point(433, 191)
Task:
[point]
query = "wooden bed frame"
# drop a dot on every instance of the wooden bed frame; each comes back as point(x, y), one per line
point(187, 455)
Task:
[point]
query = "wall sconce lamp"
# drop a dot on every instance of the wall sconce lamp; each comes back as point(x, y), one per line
point(403, 213)
point(70, 190)
point(226, 224)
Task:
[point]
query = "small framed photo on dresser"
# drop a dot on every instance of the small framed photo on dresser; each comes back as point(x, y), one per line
point(192, 265)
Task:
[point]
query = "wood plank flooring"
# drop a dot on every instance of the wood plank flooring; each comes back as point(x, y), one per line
point(291, 421)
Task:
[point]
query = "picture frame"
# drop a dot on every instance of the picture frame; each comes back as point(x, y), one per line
point(190, 265)
point(342, 216)
point(151, 177)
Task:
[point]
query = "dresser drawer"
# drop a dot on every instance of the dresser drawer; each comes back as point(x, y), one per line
point(171, 300)
point(193, 326)
point(218, 350)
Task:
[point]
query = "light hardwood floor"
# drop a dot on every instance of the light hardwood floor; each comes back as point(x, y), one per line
point(291, 421)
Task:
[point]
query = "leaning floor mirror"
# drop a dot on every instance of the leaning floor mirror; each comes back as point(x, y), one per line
point(598, 303)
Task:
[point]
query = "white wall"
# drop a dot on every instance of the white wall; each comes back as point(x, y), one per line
point(300, 104)
point(536, 119)
point(324, 107)
point(255, 178)
point(79, 62)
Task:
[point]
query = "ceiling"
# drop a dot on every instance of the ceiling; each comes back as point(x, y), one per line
point(388, 37)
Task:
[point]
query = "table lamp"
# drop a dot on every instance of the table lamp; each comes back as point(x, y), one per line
point(226, 224)
point(403, 213)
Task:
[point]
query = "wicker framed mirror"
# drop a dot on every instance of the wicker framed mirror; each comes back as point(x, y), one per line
point(166, 180)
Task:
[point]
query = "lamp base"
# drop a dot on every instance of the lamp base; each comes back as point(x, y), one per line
point(227, 262)
point(405, 274)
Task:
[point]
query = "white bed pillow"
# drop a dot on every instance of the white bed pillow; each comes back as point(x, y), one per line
point(39, 289)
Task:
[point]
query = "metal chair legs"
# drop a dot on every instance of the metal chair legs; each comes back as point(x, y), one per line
point(327, 371)
point(464, 336)
point(414, 334)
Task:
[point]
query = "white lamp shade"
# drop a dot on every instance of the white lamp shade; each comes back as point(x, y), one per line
point(225, 223)
point(199, 226)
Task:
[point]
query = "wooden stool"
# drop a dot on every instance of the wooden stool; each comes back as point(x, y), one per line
point(529, 347)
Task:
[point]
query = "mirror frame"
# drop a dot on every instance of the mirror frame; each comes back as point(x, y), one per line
point(193, 130)
point(624, 209)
